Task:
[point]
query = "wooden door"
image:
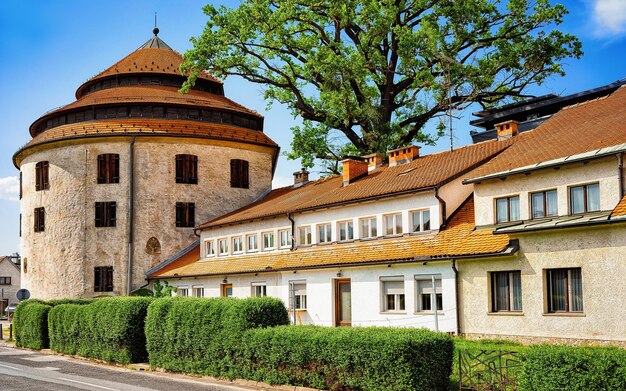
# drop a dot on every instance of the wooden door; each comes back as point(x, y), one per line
point(227, 290)
point(343, 302)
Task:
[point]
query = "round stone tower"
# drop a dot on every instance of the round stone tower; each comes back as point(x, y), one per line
point(114, 182)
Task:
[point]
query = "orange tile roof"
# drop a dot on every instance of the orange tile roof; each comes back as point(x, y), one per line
point(458, 239)
point(154, 127)
point(620, 209)
point(149, 60)
point(588, 126)
point(156, 94)
point(423, 172)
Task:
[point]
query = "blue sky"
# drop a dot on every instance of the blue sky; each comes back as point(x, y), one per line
point(48, 48)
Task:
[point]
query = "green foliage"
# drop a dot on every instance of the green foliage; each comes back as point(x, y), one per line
point(367, 75)
point(574, 368)
point(30, 323)
point(163, 290)
point(236, 339)
point(110, 329)
point(347, 358)
point(143, 292)
point(198, 335)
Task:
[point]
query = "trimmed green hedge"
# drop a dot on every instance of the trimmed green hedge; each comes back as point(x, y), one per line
point(197, 335)
point(111, 329)
point(30, 323)
point(235, 339)
point(358, 358)
point(573, 368)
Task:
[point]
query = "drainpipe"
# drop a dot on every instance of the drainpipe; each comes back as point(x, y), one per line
point(293, 231)
point(620, 173)
point(442, 205)
point(457, 296)
point(131, 214)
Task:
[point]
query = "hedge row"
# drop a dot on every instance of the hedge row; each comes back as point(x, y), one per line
point(31, 321)
point(573, 368)
point(198, 335)
point(110, 329)
point(234, 338)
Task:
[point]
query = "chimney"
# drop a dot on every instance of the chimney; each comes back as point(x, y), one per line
point(374, 160)
point(300, 177)
point(506, 129)
point(403, 155)
point(353, 168)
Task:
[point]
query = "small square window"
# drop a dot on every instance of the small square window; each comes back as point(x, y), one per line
point(393, 224)
point(420, 220)
point(209, 248)
point(304, 235)
point(368, 228)
point(506, 291)
point(543, 204)
point(324, 233)
point(284, 237)
point(103, 279)
point(507, 209)
point(565, 290)
point(223, 246)
point(259, 289)
point(252, 242)
point(237, 245)
point(297, 292)
point(425, 291)
point(393, 294)
point(182, 292)
point(268, 241)
point(198, 291)
point(345, 230)
point(584, 198)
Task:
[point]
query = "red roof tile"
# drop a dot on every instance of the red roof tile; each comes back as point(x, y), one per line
point(423, 172)
point(620, 209)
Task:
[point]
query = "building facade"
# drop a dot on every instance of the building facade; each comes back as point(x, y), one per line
point(116, 181)
point(9, 282)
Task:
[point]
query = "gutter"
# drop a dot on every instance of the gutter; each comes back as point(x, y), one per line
point(131, 214)
point(293, 231)
point(457, 297)
point(442, 208)
point(620, 173)
point(608, 220)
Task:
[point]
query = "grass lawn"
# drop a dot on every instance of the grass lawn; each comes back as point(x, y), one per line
point(474, 347)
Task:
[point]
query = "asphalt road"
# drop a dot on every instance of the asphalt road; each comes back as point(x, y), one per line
point(24, 370)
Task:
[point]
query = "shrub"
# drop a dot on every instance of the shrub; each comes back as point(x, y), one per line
point(31, 324)
point(574, 368)
point(347, 358)
point(197, 335)
point(111, 329)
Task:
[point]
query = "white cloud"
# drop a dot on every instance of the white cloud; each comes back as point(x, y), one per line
point(609, 17)
point(9, 188)
point(281, 181)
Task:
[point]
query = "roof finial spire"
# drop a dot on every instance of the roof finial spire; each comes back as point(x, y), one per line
point(155, 30)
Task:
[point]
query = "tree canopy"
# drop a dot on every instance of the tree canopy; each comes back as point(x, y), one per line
point(367, 75)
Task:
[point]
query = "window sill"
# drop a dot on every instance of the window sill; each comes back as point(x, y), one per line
point(439, 313)
point(565, 314)
point(298, 310)
point(345, 241)
point(506, 313)
point(392, 312)
point(394, 235)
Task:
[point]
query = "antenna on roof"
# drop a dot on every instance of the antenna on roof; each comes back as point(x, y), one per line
point(155, 30)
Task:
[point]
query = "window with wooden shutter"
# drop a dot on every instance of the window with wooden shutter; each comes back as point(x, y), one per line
point(20, 185)
point(185, 214)
point(239, 173)
point(105, 214)
point(103, 279)
point(109, 168)
point(40, 216)
point(187, 169)
point(41, 176)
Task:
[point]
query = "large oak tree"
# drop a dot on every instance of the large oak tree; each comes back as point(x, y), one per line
point(367, 75)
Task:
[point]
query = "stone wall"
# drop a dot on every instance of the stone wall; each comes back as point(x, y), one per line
point(60, 261)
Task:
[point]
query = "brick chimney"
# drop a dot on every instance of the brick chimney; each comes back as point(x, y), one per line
point(507, 129)
point(403, 155)
point(353, 168)
point(300, 177)
point(374, 160)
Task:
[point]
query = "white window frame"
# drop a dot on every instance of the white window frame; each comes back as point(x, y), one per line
point(420, 212)
point(256, 243)
point(325, 230)
point(258, 289)
point(238, 239)
point(394, 219)
point(182, 289)
point(427, 278)
point(197, 289)
point(398, 291)
point(273, 235)
point(307, 235)
point(209, 248)
point(347, 223)
point(219, 246)
point(301, 295)
point(287, 234)
point(370, 229)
